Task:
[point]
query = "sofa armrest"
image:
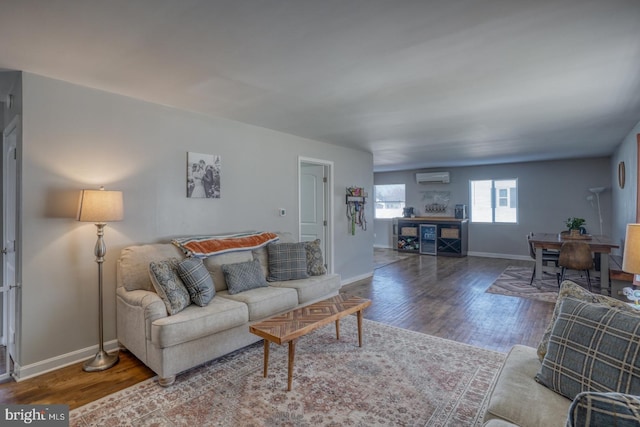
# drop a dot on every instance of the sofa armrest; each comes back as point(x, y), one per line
point(135, 312)
point(150, 302)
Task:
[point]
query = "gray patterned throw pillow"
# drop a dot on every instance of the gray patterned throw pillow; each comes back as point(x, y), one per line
point(243, 276)
point(287, 261)
point(168, 286)
point(315, 262)
point(197, 280)
point(592, 347)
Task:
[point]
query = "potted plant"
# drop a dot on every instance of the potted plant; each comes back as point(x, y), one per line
point(574, 224)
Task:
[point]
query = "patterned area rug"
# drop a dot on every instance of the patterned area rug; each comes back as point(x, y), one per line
point(384, 256)
point(514, 281)
point(398, 377)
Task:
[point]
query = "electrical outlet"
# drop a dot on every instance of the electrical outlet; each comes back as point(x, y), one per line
point(282, 211)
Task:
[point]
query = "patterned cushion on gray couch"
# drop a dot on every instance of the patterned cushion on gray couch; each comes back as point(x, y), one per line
point(315, 262)
point(197, 280)
point(168, 286)
point(287, 261)
point(243, 276)
point(604, 409)
point(573, 290)
point(592, 347)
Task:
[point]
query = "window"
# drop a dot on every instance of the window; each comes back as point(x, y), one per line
point(494, 200)
point(389, 200)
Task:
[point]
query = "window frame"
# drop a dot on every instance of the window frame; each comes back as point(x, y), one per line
point(496, 199)
point(403, 203)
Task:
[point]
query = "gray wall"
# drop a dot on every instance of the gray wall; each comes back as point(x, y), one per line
point(624, 199)
point(75, 137)
point(548, 193)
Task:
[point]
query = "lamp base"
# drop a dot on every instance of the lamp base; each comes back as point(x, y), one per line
point(100, 362)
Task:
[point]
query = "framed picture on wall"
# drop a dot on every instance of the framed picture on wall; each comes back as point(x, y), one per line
point(203, 176)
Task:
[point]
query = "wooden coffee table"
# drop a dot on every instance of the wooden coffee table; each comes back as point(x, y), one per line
point(290, 326)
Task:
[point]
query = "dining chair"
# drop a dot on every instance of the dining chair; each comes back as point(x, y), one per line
point(576, 255)
point(547, 257)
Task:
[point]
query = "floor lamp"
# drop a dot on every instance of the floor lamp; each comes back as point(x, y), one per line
point(597, 191)
point(100, 207)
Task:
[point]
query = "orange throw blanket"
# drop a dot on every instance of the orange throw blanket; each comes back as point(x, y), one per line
point(205, 246)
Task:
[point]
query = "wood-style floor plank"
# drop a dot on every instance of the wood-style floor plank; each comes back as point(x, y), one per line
point(439, 296)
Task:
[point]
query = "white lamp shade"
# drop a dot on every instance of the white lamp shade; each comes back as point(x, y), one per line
point(631, 256)
point(100, 206)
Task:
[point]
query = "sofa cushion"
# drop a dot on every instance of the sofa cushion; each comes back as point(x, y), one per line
point(265, 302)
point(315, 262)
point(516, 393)
point(243, 276)
point(573, 290)
point(214, 265)
point(312, 288)
point(197, 280)
point(168, 286)
point(604, 409)
point(592, 347)
point(287, 261)
point(133, 264)
point(195, 322)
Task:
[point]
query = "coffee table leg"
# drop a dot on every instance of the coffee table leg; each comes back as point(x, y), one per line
point(338, 329)
point(266, 357)
point(360, 328)
point(292, 352)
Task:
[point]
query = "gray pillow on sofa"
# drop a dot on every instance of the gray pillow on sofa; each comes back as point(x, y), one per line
point(315, 262)
point(168, 286)
point(243, 276)
point(592, 347)
point(287, 261)
point(197, 280)
point(604, 409)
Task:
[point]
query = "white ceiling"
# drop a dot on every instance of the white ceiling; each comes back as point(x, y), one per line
point(419, 83)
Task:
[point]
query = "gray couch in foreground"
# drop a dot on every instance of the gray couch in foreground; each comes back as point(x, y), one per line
point(172, 344)
point(589, 359)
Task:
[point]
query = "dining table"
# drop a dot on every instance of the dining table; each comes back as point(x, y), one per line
point(599, 245)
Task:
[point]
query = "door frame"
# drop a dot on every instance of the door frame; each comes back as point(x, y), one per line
point(328, 205)
point(12, 302)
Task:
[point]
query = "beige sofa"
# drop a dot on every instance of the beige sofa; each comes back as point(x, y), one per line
point(517, 399)
point(171, 344)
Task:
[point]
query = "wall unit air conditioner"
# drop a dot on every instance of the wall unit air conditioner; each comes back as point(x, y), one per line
point(432, 177)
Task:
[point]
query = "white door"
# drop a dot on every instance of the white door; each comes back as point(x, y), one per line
point(314, 209)
point(9, 286)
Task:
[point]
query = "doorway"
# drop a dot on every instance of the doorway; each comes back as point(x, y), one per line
point(314, 195)
point(10, 286)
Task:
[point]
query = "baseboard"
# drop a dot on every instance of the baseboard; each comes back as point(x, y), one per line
point(21, 373)
point(382, 247)
point(356, 279)
point(504, 256)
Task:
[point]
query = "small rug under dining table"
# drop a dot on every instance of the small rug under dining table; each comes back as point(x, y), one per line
point(398, 377)
point(515, 281)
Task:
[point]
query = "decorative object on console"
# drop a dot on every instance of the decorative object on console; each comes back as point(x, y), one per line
point(631, 256)
point(203, 176)
point(597, 191)
point(100, 207)
point(437, 202)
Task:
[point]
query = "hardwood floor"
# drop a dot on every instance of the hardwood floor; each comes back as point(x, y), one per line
point(439, 296)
